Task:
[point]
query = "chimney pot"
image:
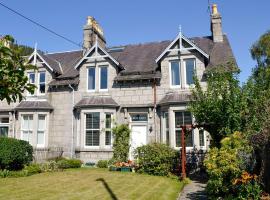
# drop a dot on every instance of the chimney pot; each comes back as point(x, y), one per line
point(214, 9)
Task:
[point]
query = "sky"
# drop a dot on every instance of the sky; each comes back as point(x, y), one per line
point(140, 21)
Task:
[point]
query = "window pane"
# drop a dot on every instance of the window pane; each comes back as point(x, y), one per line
point(103, 77)
point(4, 131)
point(108, 121)
point(92, 138)
point(201, 137)
point(187, 118)
point(190, 68)
point(41, 122)
point(91, 78)
point(25, 135)
point(167, 137)
point(40, 137)
point(31, 78)
point(188, 138)
point(4, 120)
point(42, 77)
point(166, 120)
point(108, 138)
point(178, 119)
point(178, 138)
point(175, 73)
point(30, 122)
point(92, 121)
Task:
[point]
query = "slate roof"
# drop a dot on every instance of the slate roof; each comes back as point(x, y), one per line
point(138, 59)
point(105, 101)
point(34, 105)
point(174, 98)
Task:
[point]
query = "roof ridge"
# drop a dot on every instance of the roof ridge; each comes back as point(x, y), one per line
point(63, 52)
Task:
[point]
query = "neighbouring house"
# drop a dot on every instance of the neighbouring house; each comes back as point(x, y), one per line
point(82, 94)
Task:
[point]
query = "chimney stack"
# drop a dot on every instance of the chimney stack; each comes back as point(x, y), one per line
point(92, 31)
point(216, 27)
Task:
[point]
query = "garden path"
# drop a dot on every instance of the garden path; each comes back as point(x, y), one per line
point(194, 191)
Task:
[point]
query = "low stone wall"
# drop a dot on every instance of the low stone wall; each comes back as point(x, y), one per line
point(93, 156)
point(43, 154)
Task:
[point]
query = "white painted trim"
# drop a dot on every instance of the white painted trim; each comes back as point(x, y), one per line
point(84, 128)
point(180, 37)
point(38, 83)
point(186, 85)
point(87, 77)
point(45, 131)
point(95, 47)
point(170, 74)
point(33, 54)
point(99, 77)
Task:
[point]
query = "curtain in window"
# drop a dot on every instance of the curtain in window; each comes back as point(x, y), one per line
point(175, 73)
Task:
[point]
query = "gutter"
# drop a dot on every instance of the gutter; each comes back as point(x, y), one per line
point(72, 123)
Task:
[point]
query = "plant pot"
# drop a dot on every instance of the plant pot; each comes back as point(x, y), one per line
point(113, 168)
point(125, 169)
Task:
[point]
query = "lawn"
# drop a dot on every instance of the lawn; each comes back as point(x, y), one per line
point(89, 184)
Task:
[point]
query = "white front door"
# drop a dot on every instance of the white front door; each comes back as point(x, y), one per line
point(138, 138)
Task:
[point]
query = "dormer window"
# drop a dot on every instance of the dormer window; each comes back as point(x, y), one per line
point(42, 83)
point(190, 70)
point(91, 79)
point(103, 77)
point(175, 73)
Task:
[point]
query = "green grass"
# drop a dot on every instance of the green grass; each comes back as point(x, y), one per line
point(86, 183)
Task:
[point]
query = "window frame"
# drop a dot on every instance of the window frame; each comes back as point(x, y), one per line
point(38, 83)
point(28, 130)
point(4, 125)
point(170, 73)
point(85, 129)
point(87, 82)
point(29, 81)
point(44, 131)
point(107, 67)
point(109, 129)
point(185, 71)
point(204, 140)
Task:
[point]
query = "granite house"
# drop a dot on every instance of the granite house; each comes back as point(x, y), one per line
point(82, 94)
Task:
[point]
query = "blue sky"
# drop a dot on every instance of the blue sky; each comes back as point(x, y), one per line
point(140, 21)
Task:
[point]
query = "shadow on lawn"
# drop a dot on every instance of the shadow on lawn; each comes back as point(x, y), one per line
point(107, 187)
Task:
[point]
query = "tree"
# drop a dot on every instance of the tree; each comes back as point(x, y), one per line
point(219, 106)
point(13, 82)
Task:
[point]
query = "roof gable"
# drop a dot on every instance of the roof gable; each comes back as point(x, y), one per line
point(184, 44)
point(96, 52)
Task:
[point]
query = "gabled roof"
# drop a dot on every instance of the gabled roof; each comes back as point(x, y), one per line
point(137, 61)
point(46, 61)
point(96, 48)
point(179, 39)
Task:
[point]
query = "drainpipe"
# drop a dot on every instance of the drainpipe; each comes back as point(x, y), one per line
point(72, 122)
point(155, 105)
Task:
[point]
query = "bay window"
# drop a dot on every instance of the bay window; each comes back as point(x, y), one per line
point(4, 124)
point(27, 128)
point(41, 130)
point(108, 129)
point(166, 128)
point(92, 129)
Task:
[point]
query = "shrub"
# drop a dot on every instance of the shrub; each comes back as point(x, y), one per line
point(121, 143)
point(14, 154)
point(155, 159)
point(102, 164)
point(224, 165)
point(49, 166)
point(33, 168)
point(69, 163)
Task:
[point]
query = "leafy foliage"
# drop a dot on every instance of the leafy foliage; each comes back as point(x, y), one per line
point(224, 165)
point(68, 163)
point(219, 107)
point(155, 159)
point(14, 154)
point(14, 82)
point(102, 164)
point(121, 143)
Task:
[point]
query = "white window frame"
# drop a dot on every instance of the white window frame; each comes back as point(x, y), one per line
point(44, 131)
point(99, 76)
point(109, 129)
point(87, 146)
point(22, 119)
point(91, 90)
point(175, 129)
point(170, 73)
point(165, 129)
point(6, 125)
point(38, 83)
point(28, 75)
point(185, 71)
point(204, 138)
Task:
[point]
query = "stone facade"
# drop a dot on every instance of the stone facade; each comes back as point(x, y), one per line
point(134, 86)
